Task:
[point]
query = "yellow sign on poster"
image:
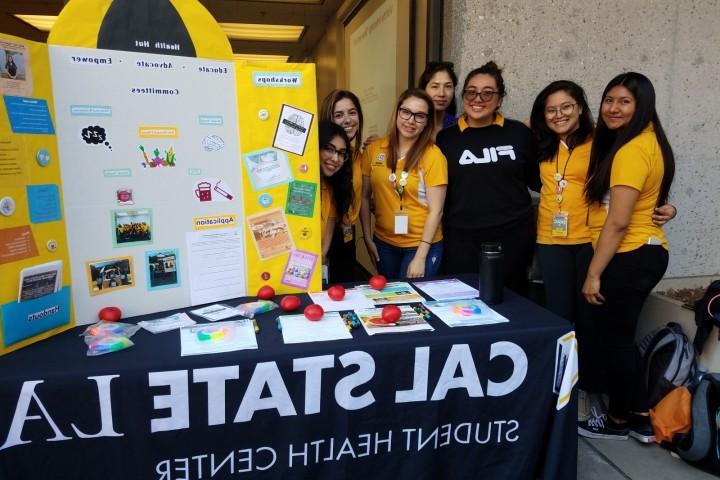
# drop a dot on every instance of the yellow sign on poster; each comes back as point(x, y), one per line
point(35, 300)
point(277, 107)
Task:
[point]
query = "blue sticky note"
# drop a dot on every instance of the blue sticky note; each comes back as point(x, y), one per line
point(28, 115)
point(21, 320)
point(44, 203)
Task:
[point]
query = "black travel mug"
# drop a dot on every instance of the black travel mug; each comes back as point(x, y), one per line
point(490, 282)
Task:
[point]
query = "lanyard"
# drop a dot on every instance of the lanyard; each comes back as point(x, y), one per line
point(399, 185)
point(560, 177)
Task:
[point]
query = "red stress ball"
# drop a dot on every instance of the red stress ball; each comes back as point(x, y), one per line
point(336, 292)
point(391, 314)
point(266, 292)
point(314, 312)
point(110, 314)
point(289, 303)
point(378, 282)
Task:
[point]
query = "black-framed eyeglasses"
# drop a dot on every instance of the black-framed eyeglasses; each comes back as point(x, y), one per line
point(342, 154)
point(420, 117)
point(485, 95)
point(564, 109)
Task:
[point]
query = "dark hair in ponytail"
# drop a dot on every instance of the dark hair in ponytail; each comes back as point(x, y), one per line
point(490, 68)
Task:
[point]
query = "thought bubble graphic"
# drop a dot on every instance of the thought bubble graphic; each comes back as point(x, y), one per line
point(95, 135)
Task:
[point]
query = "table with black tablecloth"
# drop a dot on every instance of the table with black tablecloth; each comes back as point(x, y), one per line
point(455, 403)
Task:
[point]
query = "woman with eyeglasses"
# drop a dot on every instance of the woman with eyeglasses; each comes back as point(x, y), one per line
point(491, 164)
point(630, 173)
point(342, 107)
point(336, 191)
point(405, 174)
point(439, 81)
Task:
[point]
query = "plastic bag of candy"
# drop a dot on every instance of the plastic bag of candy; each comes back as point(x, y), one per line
point(251, 309)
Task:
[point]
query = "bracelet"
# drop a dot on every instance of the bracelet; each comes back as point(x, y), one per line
point(423, 241)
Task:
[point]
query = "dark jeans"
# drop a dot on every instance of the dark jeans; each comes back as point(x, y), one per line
point(564, 268)
point(341, 258)
point(625, 284)
point(394, 260)
point(462, 250)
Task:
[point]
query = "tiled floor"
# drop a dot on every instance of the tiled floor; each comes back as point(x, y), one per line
point(628, 459)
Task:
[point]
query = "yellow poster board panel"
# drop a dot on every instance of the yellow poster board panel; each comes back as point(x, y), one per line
point(34, 264)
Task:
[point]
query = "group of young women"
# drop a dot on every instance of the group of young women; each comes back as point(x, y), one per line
point(440, 186)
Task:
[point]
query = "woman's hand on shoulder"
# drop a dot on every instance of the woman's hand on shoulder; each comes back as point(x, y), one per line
point(369, 140)
point(664, 214)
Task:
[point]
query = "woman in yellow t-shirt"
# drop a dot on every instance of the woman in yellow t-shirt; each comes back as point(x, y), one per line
point(631, 170)
point(342, 107)
point(336, 192)
point(405, 175)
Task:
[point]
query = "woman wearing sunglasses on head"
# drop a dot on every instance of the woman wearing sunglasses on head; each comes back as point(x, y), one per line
point(563, 128)
point(336, 192)
point(342, 107)
point(631, 170)
point(491, 164)
point(405, 175)
point(439, 81)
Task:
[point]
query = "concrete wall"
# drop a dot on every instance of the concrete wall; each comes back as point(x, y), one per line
point(674, 42)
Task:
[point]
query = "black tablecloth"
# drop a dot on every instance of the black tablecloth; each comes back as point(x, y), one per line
point(351, 409)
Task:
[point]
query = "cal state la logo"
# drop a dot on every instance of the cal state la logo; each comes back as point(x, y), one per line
point(491, 154)
point(380, 159)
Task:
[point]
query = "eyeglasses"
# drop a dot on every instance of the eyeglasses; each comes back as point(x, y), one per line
point(405, 114)
point(565, 109)
point(341, 154)
point(485, 95)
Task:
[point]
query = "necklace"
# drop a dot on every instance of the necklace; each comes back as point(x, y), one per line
point(399, 185)
point(562, 183)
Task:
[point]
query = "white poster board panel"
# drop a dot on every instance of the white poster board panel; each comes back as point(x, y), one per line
point(148, 143)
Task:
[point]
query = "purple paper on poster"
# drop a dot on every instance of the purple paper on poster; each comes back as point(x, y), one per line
point(299, 269)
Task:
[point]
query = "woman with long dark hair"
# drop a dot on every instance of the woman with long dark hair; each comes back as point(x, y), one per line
point(630, 173)
point(342, 107)
point(491, 163)
point(336, 190)
point(405, 175)
point(439, 81)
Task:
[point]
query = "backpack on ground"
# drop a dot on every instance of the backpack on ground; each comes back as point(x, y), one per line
point(669, 360)
point(701, 446)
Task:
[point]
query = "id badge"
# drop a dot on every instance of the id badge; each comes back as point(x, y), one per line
point(401, 223)
point(347, 232)
point(560, 224)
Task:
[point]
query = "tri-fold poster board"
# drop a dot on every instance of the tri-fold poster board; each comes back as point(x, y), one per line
point(149, 182)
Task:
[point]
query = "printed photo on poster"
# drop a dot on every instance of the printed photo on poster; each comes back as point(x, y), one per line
point(15, 77)
point(110, 274)
point(132, 227)
point(40, 280)
point(299, 269)
point(267, 168)
point(270, 233)
point(162, 269)
point(301, 199)
point(292, 130)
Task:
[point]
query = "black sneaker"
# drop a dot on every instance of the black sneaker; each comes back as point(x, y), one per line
point(600, 426)
point(641, 429)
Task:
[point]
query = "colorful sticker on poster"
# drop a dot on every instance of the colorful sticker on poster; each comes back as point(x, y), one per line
point(292, 130)
point(15, 76)
point(215, 221)
point(299, 269)
point(301, 198)
point(110, 274)
point(29, 115)
point(131, 227)
point(267, 167)
point(163, 269)
point(270, 233)
point(212, 190)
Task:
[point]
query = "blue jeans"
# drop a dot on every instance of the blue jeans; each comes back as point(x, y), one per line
point(394, 261)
